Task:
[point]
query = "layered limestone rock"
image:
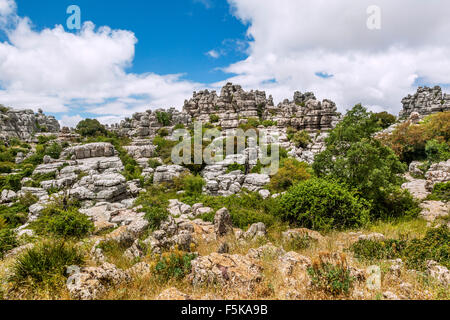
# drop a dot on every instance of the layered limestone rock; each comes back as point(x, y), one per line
point(23, 124)
point(425, 101)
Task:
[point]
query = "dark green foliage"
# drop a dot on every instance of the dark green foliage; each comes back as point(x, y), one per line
point(8, 241)
point(54, 150)
point(163, 132)
point(269, 123)
point(153, 163)
point(354, 158)
point(45, 262)
point(164, 118)
point(91, 128)
point(173, 265)
point(323, 205)
point(384, 119)
point(434, 246)
point(245, 209)
point(164, 148)
point(46, 139)
point(301, 139)
point(193, 185)
point(441, 192)
point(6, 167)
point(236, 167)
point(154, 203)
point(416, 252)
point(63, 221)
point(213, 118)
point(437, 151)
point(15, 215)
point(378, 250)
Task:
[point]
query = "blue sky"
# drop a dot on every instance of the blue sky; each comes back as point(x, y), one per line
point(135, 55)
point(173, 36)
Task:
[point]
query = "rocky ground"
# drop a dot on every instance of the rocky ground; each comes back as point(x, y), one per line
point(190, 256)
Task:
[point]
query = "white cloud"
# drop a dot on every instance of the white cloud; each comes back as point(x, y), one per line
point(293, 40)
point(82, 72)
point(70, 121)
point(213, 54)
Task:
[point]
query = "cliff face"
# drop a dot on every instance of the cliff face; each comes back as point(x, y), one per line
point(23, 124)
point(234, 106)
point(425, 101)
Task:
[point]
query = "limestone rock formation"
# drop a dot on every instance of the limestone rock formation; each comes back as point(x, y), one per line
point(23, 124)
point(425, 101)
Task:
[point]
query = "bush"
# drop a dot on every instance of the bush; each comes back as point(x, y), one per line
point(213, 118)
point(163, 132)
point(245, 209)
point(8, 241)
point(63, 222)
point(323, 205)
point(164, 148)
point(173, 265)
point(47, 261)
point(6, 167)
point(332, 278)
point(359, 161)
point(301, 139)
point(15, 215)
point(378, 250)
point(291, 172)
point(441, 192)
point(384, 119)
point(54, 150)
point(163, 118)
point(434, 246)
point(269, 123)
point(235, 167)
point(437, 152)
point(91, 128)
point(154, 204)
point(416, 252)
point(153, 163)
point(193, 185)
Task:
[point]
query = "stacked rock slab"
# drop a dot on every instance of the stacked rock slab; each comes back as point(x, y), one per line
point(425, 101)
point(23, 124)
point(231, 108)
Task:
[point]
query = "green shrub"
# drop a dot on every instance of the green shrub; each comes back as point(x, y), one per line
point(163, 118)
point(6, 167)
point(54, 150)
point(15, 215)
point(179, 126)
point(323, 205)
point(235, 167)
point(332, 278)
point(164, 148)
point(63, 222)
point(437, 151)
point(153, 163)
point(301, 139)
point(378, 250)
point(214, 118)
point(163, 132)
point(441, 192)
point(269, 123)
point(384, 119)
point(8, 241)
point(154, 205)
point(46, 139)
point(291, 172)
point(173, 265)
point(193, 185)
point(47, 261)
point(434, 246)
point(353, 157)
point(91, 128)
point(416, 252)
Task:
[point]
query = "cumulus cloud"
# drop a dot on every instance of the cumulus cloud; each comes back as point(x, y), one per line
point(70, 121)
point(83, 72)
point(294, 41)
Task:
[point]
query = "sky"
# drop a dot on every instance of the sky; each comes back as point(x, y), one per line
point(135, 55)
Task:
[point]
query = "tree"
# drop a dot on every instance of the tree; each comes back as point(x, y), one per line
point(91, 128)
point(353, 157)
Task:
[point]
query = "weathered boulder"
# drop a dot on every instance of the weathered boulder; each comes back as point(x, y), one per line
point(223, 225)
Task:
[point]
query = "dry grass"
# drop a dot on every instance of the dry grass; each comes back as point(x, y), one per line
point(274, 285)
